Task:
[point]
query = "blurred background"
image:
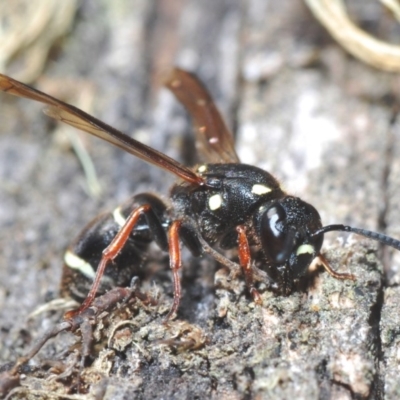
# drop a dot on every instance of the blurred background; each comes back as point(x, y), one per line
point(300, 106)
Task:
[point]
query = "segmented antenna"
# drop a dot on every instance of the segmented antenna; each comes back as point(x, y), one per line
point(380, 237)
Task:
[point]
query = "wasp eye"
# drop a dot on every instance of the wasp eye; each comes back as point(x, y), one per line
point(275, 217)
point(276, 240)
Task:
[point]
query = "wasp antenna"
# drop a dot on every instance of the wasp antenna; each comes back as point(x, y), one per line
point(380, 237)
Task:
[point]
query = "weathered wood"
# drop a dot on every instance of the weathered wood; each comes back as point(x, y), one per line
point(302, 109)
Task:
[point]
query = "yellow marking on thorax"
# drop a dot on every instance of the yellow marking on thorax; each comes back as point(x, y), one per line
point(260, 189)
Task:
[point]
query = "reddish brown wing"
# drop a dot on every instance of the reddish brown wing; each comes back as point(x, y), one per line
point(79, 119)
point(214, 140)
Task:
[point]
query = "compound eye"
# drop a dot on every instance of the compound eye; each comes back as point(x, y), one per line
point(277, 242)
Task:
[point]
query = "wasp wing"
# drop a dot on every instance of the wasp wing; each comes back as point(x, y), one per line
point(214, 139)
point(79, 119)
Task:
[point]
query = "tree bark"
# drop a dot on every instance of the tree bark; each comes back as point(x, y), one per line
point(301, 108)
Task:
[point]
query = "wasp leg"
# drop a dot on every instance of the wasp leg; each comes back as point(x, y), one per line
point(175, 262)
point(85, 320)
point(332, 272)
point(193, 240)
point(112, 251)
point(245, 263)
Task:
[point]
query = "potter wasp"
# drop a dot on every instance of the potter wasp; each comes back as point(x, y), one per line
point(215, 206)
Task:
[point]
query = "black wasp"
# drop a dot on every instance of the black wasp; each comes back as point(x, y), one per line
point(222, 203)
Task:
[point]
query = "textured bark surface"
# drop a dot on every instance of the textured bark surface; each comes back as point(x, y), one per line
point(300, 108)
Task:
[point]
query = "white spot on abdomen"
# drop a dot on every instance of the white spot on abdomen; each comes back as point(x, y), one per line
point(75, 262)
point(118, 217)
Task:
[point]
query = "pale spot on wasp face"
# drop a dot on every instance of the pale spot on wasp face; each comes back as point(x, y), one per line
point(305, 249)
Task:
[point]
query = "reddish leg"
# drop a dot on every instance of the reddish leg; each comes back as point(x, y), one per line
point(245, 263)
point(332, 272)
point(109, 254)
point(175, 263)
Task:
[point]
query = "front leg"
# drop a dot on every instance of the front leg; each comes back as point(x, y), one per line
point(197, 244)
point(246, 263)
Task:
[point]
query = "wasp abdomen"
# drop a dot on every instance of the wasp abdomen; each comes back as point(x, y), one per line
point(84, 255)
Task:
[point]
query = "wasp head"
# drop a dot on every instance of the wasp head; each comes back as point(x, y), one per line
point(285, 229)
